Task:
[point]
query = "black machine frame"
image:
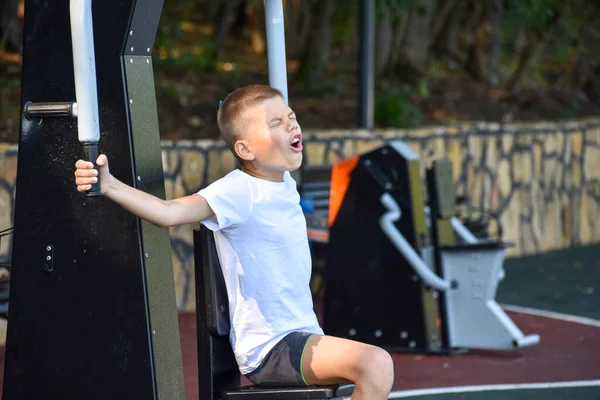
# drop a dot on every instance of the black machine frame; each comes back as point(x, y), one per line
point(92, 311)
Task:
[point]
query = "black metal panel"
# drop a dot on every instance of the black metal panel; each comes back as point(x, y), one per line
point(160, 288)
point(332, 392)
point(436, 211)
point(216, 306)
point(142, 30)
point(372, 293)
point(81, 330)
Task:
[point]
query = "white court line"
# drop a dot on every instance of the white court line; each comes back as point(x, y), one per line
point(551, 314)
point(517, 386)
point(487, 388)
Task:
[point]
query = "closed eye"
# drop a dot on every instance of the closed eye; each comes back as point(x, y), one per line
point(275, 122)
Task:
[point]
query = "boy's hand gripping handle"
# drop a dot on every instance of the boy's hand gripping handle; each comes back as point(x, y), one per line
point(84, 64)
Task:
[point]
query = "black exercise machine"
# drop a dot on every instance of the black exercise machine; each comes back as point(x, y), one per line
point(405, 276)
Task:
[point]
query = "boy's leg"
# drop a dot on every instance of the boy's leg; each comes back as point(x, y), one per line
point(331, 360)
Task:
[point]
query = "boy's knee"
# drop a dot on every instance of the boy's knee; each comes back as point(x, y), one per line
point(377, 366)
point(384, 363)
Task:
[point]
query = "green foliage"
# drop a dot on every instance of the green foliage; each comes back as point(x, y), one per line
point(395, 8)
point(531, 15)
point(395, 107)
point(9, 89)
point(182, 45)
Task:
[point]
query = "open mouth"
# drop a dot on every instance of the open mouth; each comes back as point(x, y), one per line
point(296, 143)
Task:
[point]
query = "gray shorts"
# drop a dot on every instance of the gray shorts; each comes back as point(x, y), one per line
point(283, 364)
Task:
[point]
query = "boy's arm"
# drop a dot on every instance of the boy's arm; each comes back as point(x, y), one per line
point(185, 210)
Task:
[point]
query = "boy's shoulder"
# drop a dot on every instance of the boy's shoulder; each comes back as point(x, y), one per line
point(235, 174)
point(238, 181)
point(233, 177)
point(233, 182)
point(240, 176)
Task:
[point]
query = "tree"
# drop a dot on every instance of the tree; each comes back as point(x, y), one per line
point(10, 25)
point(538, 20)
point(446, 31)
point(314, 61)
point(482, 61)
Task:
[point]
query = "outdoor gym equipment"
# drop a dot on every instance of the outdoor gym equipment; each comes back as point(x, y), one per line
point(92, 310)
point(403, 278)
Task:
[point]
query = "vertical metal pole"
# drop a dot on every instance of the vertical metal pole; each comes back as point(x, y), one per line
point(366, 64)
point(275, 34)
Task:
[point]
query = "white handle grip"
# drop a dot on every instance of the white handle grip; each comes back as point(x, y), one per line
point(387, 225)
point(84, 64)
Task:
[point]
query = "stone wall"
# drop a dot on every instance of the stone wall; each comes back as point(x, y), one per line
point(8, 175)
point(538, 183)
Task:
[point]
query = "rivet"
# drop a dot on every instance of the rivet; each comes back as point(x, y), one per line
point(139, 178)
point(403, 334)
point(153, 332)
point(352, 332)
point(147, 61)
point(130, 33)
point(48, 258)
point(148, 49)
point(48, 248)
point(132, 49)
point(146, 255)
point(131, 60)
point(412, 344)
point(378, 333)
point(130, 101)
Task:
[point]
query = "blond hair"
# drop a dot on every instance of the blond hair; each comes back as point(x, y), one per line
point(229, 117)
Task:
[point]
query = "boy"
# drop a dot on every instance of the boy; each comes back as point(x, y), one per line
point(262, 242)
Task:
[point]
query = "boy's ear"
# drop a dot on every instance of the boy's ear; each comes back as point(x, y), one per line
point(243, 150)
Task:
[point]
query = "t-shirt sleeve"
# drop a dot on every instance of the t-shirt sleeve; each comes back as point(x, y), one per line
point(230, 198)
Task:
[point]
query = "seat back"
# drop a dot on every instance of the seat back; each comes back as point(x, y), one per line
point(217, 368)
point(217, 304)
point(440, 191)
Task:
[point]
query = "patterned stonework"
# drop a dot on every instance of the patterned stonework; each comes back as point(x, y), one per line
point(538, 183)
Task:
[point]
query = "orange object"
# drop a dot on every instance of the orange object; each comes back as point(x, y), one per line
point(340, 179)
point(318, 235)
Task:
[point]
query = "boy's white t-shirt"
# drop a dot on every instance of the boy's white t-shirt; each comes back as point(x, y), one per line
point(262, 243)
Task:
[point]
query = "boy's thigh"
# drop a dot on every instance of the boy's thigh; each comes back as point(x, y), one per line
point(282, 366)
point(333, 360)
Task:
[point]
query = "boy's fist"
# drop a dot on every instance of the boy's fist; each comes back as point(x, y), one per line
point(86, 175)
